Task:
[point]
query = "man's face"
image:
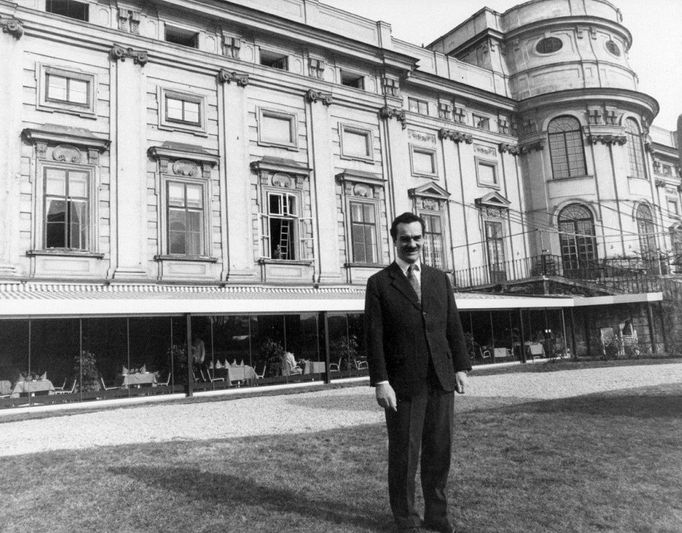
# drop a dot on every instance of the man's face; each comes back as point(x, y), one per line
point(408, 241)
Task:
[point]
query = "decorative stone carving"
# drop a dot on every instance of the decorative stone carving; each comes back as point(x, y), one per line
point(393, 112)
point(231, 46)
point(12, 26)
point(485, 150)
point(455, 136)
point(313, 96)
point(390, 86)
point(659, 183)
point(41, 150)
point(421, 136)
point(607, 139)
point(66, 153)
point(508, 148)
point(537, 145)
point(316, 68)
point(362, 190)
point(118, 53)
point(280, 179)
point(129, 21)
point(184, 167)
point(225, 76)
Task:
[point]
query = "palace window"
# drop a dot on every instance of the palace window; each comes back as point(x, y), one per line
point(68, 8)
point(269, 58)
point(646, 231)
point(182, 111)
point(356, 142)
point(635, 148)
point(66, 90)
point(281, 226)
point(418, 106)
point(277, 128)
point(352, 79)
point(185, 218)
point(494, 241)
point(423, 161)
point(481, 122)
point(566, 147)
point(486, 173)
point(549, 45)
point(577, 240)
point(432, 247)
point(181, 36)
point(363, 229)
point(67, 206)
point(673, 207)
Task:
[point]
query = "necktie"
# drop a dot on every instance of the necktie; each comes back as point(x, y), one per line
point(412, 277)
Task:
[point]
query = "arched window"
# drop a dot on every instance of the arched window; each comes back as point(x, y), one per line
point(577, 239)
point(566, 147)
point(646, 231)
point(635, 148)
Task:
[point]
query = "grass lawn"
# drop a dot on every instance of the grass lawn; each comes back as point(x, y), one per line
point(602, 462)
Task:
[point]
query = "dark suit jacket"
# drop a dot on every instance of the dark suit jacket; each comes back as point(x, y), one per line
point(401, 334)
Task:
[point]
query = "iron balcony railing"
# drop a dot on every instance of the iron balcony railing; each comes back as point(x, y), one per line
point(613, 274)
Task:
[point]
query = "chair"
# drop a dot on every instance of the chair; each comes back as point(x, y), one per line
point(262, 374)
point(104, 386)
point(67, 391)
point(335, 367)
point(164, 383)
point(360, 364)
point(211, 378)
point(62, 387)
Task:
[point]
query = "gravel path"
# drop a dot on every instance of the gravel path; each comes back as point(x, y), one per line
point(309, 411)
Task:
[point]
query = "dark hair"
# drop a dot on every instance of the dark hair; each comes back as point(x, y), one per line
point(406, 218)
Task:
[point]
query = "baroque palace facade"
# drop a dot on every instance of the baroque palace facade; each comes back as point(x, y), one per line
point(232, 168)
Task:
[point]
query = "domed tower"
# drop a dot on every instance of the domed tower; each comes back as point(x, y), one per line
point(582, 125)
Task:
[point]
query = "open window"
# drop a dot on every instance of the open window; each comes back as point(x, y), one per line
point(68, 8)
point(181, 36)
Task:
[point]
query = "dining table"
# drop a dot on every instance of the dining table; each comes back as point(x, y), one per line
point(314, 367)
point(137, 379)
point(32, 388)
point(240, 373)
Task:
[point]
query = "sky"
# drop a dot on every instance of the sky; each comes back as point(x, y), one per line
point(656, 27)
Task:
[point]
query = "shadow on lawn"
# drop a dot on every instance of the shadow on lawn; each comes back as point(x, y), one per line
point(234, 490)
point(646, 402)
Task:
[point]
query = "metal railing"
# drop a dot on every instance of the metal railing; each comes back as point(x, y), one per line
point(613, 274)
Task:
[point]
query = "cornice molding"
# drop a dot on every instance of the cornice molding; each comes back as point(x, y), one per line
point(512, 149)
point(607, 139)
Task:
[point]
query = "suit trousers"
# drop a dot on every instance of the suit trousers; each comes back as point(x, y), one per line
point(423, 423)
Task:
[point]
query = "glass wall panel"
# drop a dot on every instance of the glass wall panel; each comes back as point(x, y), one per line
point(14, 358)
point(150, 354)
point(105, 358)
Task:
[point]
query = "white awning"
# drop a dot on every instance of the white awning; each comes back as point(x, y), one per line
point(34, 300)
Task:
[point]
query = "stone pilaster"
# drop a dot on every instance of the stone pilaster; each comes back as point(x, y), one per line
point(129, 157)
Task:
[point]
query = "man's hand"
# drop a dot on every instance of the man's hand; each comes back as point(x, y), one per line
point(461, 380)
point(386, 396)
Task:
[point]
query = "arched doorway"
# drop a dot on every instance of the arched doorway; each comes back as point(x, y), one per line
point(578, 242)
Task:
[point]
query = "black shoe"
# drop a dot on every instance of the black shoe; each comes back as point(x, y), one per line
point(442, 526)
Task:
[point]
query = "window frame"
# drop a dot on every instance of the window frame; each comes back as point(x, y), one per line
point(166, 180)
point(495, 184)
point(349, 78)
point(293, 217)
point(561, 137)
point(45, 103)
point(417, 105)
point(86, 7)
point(375, 233)
point(434, 161)
point(180, 33)
point(635, 149)
point(427, 240)
point(355, 130)
point(174, 124)
point(269, 57)
point(481, 122)
point(264, 113)
point(547, 40)
point(43, 167)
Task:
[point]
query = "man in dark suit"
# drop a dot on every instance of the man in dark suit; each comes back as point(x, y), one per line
point(417, 357)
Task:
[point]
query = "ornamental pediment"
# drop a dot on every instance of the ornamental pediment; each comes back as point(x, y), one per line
point(429, 190)
point(493, 199)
